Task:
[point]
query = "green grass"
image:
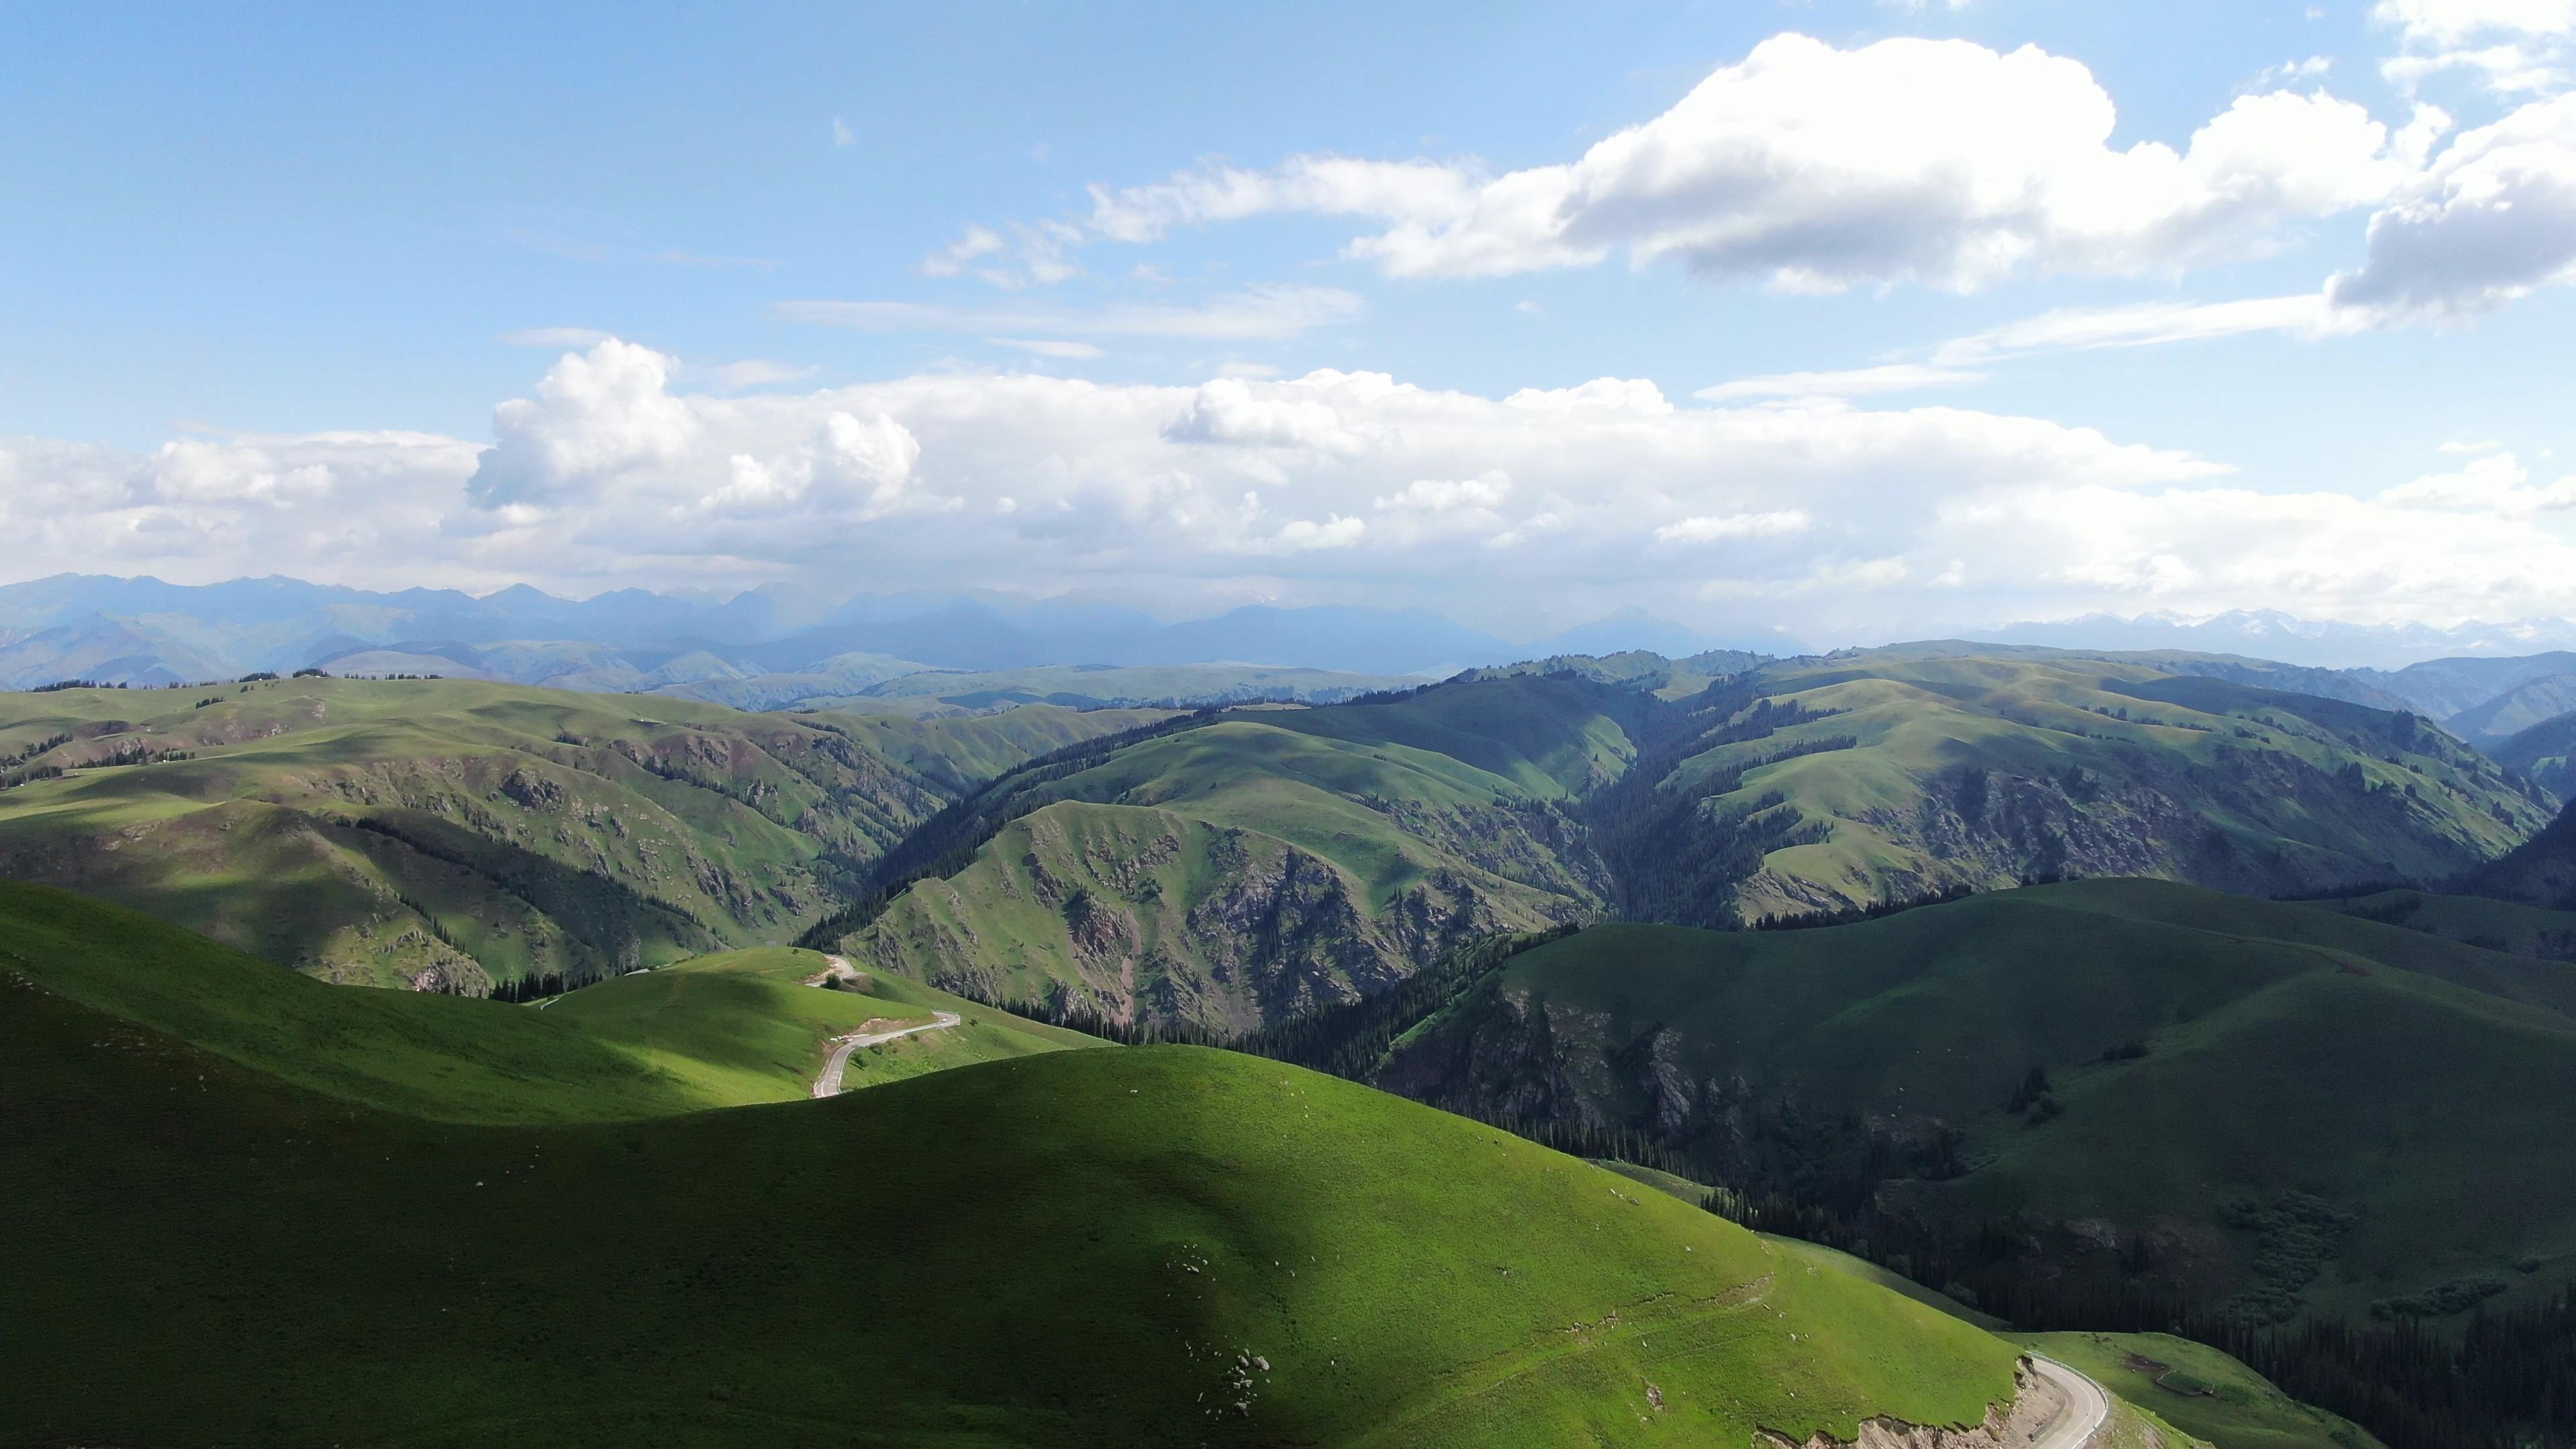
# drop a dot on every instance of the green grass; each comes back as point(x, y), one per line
point(2409, 1080)
point(1865, 1270)
point(711, 1033)
point(2199, 1390)
point(1072, 1249)
point(528, 831)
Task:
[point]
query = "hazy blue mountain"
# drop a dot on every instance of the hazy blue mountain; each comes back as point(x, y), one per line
point(2270, 634)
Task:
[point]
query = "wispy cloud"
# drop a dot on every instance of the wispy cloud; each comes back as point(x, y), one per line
point(1253, 313)
point(574, 337)
point(1049, 347)
point(2145, 324)
point(842, 135)
point(1848, 382)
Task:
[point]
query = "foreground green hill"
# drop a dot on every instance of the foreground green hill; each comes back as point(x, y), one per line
point(716, 1032)
point(1118, 1247)
point(451, 835)
point(2271, 1106)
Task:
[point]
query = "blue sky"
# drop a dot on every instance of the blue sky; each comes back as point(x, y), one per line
point(274, 285)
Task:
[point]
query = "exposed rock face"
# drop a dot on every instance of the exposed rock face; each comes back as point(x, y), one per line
point(1147, 915)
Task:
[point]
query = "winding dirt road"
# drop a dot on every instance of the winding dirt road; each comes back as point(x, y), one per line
point(829, 1083)
point(2087, 1407)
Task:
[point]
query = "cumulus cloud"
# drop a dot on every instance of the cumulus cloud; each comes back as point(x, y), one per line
point(1809, 167)
point(2493, 217)
point(595, 414)
point(2509, 45)
point(1829, 516)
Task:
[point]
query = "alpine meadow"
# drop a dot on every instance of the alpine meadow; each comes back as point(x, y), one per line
point(1422, 727)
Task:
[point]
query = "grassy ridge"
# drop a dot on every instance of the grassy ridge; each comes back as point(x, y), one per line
point(2199, 1390)
point(454, 834)
point(1261, 867)
point(1123, 1247)
point(719, 1032)
point(2410, 1082)
point(1946, 766)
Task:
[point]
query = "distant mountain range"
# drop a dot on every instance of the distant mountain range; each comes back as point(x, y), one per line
point(144, 632)
point(2270, 634)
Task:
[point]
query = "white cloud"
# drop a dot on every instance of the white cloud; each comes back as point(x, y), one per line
point(1254, 313)
point(2497, 484)
point(2510, 45)
point(1342, 486)
point(2493, 217)
point(2142, 324)
point(1444, 495)
point(596, 413)
point(1780, 523)
point(842, 135)
point(748, 372)
point(1811, 168)
point(1049, 347)
point(2272, 77)
point(1848, 382)
point(2450, 22)
point(577, 338)
point(1305, 535)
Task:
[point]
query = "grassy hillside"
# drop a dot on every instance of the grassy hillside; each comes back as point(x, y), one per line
point(716, 1032)
point(1270, 864)
point(2198, 1390)
point(450, 834)
point(2546, 752)
point(1128, 1247)
point(2159, 1082)
point(1895, 773)
point(2522, 930)
point(2539, 872)
point(746, 1026)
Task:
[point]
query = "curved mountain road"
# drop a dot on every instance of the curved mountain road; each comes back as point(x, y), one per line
point(2087, 1409)
point(829, 1083)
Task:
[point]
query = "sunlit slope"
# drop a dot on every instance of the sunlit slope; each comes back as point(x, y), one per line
point(746, 1026)
point(706, 1034)
point(2199, 1050)
point(1914, 769)
point(1266, 865)
point(1118, 1247)
point(452, 833)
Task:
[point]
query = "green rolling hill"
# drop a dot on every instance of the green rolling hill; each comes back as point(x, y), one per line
point(2267, 1106)
point(1268, 864)
point(451, 835)
point(1263, 865)
point(719, 1031)
point(1818, 785)
point(232, 1222)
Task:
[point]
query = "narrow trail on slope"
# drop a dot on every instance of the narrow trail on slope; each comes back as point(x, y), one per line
point(828, 1084)
point(2087, 1409)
